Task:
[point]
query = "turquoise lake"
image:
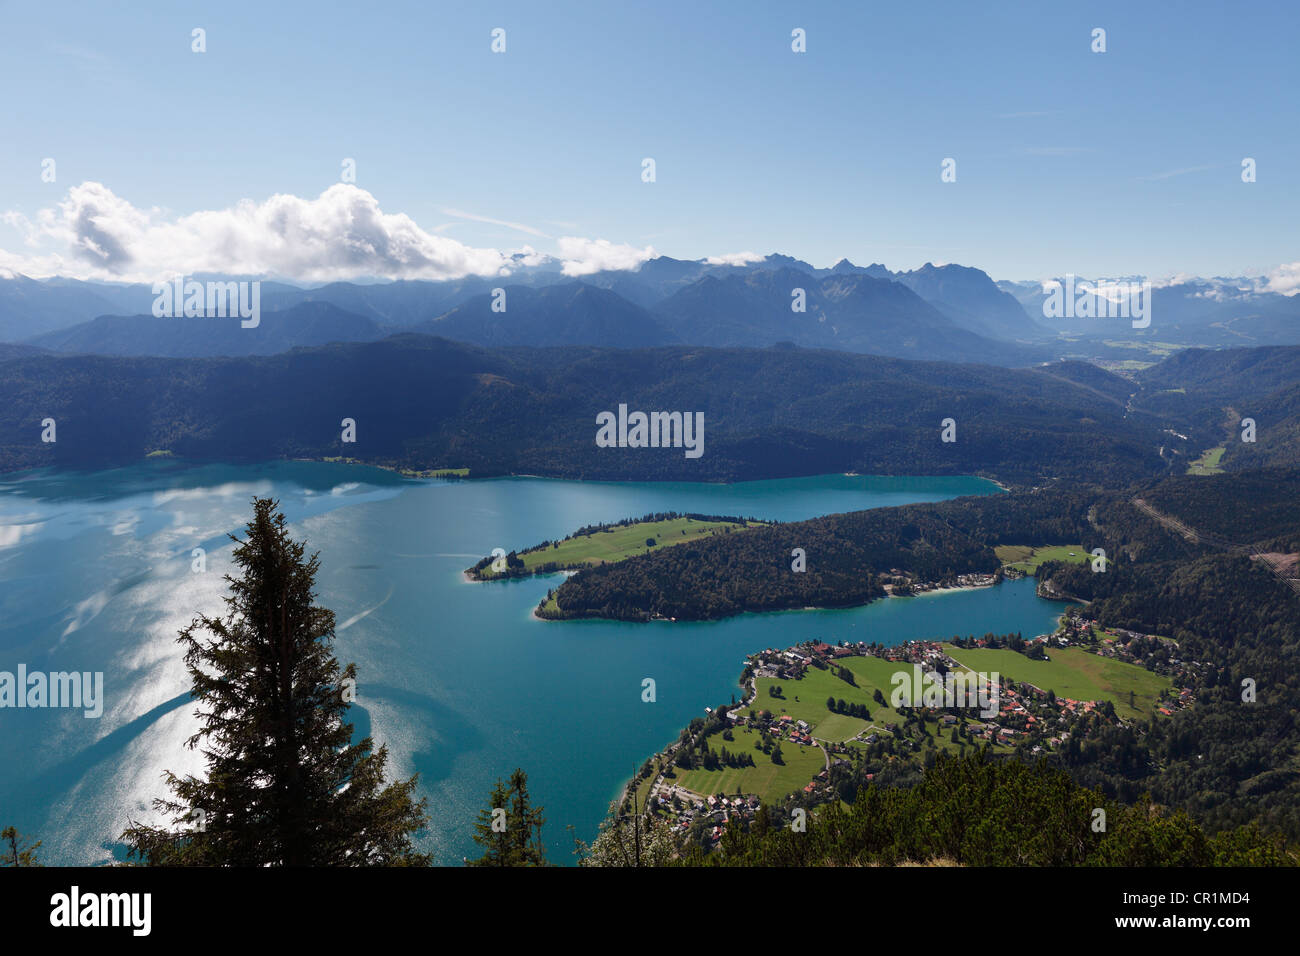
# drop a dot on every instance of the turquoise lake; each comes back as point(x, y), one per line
point(457, 678)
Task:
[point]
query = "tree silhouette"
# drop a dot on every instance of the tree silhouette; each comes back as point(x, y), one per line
point(285, 784)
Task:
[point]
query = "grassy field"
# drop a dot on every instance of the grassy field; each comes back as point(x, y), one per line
point(1074, 673)
point(812, 691)
point(1027, 557)
point(1208, 463)
point(770, 781)
point(870, 673)
point(618, 543)
point(839, 727)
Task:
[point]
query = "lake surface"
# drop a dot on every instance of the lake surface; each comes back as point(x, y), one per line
point(457, 678)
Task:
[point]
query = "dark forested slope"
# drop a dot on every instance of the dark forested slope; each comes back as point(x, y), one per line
point(427, 402)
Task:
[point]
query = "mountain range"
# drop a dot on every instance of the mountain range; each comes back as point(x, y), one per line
point(1212, 313)
point(308, 323)
point(940, 312)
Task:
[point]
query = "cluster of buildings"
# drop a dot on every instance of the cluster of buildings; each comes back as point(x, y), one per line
point(793, 662)
point(902, 583)
point(687, 809)
point(783, 727)
point(962, 581)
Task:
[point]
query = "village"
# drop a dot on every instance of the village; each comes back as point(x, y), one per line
point(900, 584)
point(1029, 721)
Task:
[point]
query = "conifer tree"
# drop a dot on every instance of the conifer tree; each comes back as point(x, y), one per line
point(492, 832)
point(285, 785)
point(520, 843)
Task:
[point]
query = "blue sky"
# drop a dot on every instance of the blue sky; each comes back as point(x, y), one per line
point(1127, 162)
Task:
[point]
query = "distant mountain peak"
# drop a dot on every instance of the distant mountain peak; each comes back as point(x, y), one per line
point(779, 259)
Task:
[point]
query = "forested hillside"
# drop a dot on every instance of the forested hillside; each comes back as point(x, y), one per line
point(847, 553)
point(425, 402)
point(972, 811)
point(848, 559)
point(1228, 759)
point(1207, 394)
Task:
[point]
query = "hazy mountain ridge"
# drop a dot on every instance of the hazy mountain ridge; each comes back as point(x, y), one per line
point(30, 308)
point(1211, 313)
point(573, 313)
point(946, 312)
point(974, 300)
point(305, 324)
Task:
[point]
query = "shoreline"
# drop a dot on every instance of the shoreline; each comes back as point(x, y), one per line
point(950, 589)
point(428, 475)
point(664, 755)
point(799, 610)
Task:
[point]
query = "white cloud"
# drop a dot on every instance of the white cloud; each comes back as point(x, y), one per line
point(340, 234)
point(528, 257)
point(734, 259)
point(582, 257)
point(1285, 279)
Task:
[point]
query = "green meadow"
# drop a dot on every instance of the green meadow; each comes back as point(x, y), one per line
point(812, 690)
point(1027, 558)
point(769, 780)
point(870, 674)
point(617, 543)
point(1208, 463)
point(1073, 673)
point(873, 673)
